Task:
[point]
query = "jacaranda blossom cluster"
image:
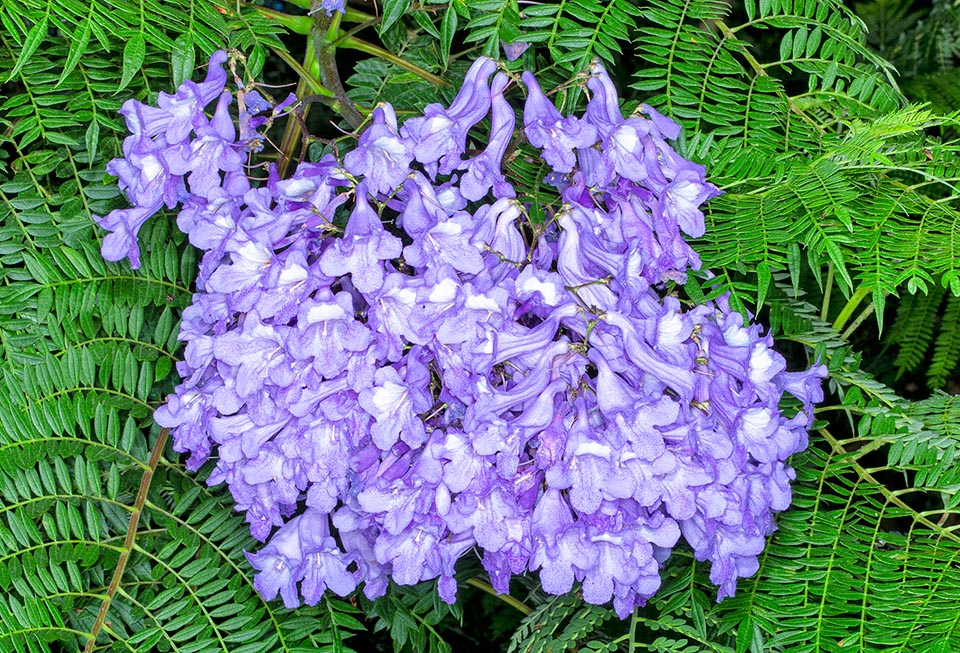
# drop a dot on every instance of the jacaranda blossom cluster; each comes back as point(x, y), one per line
point(394, 365)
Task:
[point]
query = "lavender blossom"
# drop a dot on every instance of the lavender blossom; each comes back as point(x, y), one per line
point(512, 51)
point(363, 248)
point(449, 376)
point(381, 156)
point(485, 170)
point(148, 171)
point(331, 6)
point(557, 136)
point(439, 137)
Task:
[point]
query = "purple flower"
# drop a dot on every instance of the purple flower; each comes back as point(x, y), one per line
point(241, 277)
point(603, 109)
point(629, 152)
point(363, 248)
point(485, 170)
point(123, 225)
point(394, 402)
point(453, 374)
point(422, 206)
point(381, 156)
point(512, 51)
point(413, 555)
point(302, 550)
point(441, 134)
point(148, 172)
point(682, 198)
point(210, 153)
point(278, 564)
point(446, 243)
point(663, 127)
point(329, 336)
point(178, 114)
point(259, 352)
point(251, 121)
point(186, 412)
point(145, 174)
point(331, 6)
point(557, 136)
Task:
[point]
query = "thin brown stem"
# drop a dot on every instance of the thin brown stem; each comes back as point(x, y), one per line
point(128, 541)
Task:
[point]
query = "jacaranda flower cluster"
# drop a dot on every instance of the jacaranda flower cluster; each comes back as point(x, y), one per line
point(393, 364)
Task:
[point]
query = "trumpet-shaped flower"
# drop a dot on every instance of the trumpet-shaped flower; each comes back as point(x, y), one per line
point(457, 373)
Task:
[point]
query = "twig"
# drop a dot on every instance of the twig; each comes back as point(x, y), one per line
point(128, 541)
point(761, 72)
point(864, 314)
point(827, 290)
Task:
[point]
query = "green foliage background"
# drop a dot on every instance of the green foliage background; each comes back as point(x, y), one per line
point(839, 225)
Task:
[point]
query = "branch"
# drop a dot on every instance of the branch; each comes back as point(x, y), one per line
point(357, 44)
point(323, 29)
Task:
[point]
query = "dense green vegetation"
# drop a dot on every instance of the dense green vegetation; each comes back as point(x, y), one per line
point(836, 147)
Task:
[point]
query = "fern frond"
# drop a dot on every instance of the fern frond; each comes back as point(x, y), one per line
point(412, 615)
point(808, 141)
point(374, 81)
point(679, 617)
point(573, 32)
point(703, 69)
point(560, 624)
point(912, 330)
point(838, 566)
point(940, 89)
point(946, 348)
point(917, 39)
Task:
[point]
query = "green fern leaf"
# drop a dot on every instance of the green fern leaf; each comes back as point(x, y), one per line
point(912, 331)
point(946, 348)
point(562, 623)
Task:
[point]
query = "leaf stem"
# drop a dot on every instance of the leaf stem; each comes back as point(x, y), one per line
point(851, 306)
point(864, 314)
point(761, 71)
point(506, 598)
point(155, 454)
point(893, 497)
point(357, 44)
point(307, 79)
point(296, 24)
point(294, 128)
point(827, 291)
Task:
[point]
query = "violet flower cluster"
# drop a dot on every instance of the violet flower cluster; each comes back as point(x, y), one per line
point(392, 365)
